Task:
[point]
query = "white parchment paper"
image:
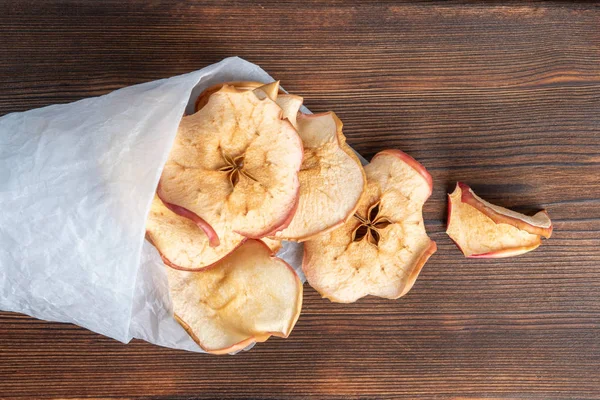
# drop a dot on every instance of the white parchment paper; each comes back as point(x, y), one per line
point(76, 182)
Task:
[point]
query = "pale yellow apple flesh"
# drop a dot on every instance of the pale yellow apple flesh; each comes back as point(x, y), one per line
point(478, 235)
point(240, 85)
point(273, 244)
point(539, 224)
point(344, 267)
point(331, 178)
point(246, 297)
point(235, 164)
point(181, 243)
point(213, 238)
point(290, 105)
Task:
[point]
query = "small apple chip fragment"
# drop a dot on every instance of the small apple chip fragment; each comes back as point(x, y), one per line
point(484, 230)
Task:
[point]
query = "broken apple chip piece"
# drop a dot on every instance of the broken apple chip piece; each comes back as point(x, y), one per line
point(483, 230)
point(332, 179)
point(290, 105)
point(235, 165)
point(381, 250)
point(245, 298)
point(181, 243)
point(270, 90)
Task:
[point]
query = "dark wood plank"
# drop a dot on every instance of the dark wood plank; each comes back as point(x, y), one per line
point(505, 96)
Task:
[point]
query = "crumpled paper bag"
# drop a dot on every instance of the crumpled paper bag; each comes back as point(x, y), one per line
point(76, 183)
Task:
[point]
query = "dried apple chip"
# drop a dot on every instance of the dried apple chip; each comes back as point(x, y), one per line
point(382, 249)
point(235, 165)
point(483, 230)
point(240, 85)
point(331, 178)
point(246, 297)
point(181, 243)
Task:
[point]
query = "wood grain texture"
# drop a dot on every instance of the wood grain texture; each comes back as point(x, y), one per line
point(504, 96)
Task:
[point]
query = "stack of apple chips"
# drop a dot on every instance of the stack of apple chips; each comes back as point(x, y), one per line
point(248, 170)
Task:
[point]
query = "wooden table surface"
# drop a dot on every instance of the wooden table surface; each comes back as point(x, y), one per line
point(503, 96)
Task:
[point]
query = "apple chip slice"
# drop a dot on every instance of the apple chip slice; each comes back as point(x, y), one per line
point(235, 165)
point(289, 103)
point(382, 249)
point(246, 297)
point(181, 243)
point(271, 89)
point(331, 178)
point(484, 230)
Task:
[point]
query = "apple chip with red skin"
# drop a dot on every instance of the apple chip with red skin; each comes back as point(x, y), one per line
point(183, 245)
point(484, 230)
point(244, 298)
point(381, 250)
point(234, 164)
point(332, 179)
